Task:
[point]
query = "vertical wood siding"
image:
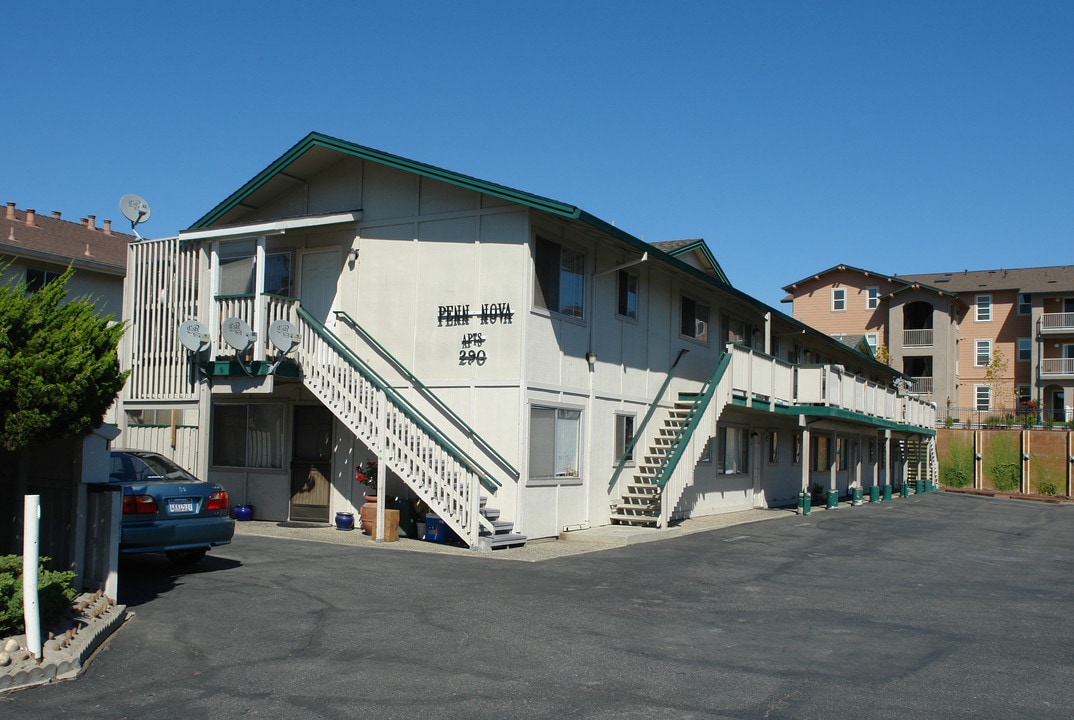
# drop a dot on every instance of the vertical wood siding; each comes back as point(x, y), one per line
point(162, 278)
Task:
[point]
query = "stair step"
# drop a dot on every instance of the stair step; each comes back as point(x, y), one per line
point(490, 513)
point(633, 520)
point(503, 527)
point(509, 540)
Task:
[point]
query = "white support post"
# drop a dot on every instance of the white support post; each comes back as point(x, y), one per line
point(31, 614)
point(382, 432)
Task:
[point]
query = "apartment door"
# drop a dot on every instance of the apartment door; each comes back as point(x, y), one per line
point(311, 463)
point(317, 278)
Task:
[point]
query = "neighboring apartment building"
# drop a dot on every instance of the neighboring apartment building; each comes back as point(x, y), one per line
point(476, 340)
point(976, 343)
point(35, 249)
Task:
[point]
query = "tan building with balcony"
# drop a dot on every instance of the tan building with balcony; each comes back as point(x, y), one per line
point(946, 330)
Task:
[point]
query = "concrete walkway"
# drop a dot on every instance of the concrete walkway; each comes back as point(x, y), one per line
point(576, 542)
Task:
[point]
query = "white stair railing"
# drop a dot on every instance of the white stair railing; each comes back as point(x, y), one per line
point(408, 445)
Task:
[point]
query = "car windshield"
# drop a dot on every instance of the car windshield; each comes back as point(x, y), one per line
point(142, 467)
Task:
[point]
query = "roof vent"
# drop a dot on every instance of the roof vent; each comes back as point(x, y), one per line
point(30, 215)
point(10, 211)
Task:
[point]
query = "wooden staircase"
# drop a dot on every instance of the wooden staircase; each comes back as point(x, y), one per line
point(501, 534)
point(641, 500)
point(406, 442)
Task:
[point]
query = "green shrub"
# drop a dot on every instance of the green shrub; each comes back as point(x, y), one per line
point(957, 469)
point(1047, 487)
point(1004, 464)
point(53, 588)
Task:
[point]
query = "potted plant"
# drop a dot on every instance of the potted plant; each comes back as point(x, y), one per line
point(366, 474)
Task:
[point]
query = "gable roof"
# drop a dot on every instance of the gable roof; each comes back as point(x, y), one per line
point(902, 283)
point(50, 239)
point(316, 151)
point(677, 248)
point(1056, 278)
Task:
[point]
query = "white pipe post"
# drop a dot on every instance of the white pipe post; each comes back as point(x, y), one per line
point(31, 521)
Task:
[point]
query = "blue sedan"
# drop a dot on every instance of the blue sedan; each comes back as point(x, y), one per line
point(166, 509)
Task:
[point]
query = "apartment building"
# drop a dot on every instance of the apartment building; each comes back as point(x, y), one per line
point(976, 342)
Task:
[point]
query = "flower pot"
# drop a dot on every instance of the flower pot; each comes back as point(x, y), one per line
point(244, 512)
point(368, 514)
point(344, 521)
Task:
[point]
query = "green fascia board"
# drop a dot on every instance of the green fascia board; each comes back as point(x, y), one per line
point(702, 247)
point(826, 411)
point(315, 139)
point(554, 207)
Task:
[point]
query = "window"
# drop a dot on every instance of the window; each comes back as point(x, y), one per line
point(842, 453)
point(628, 295)
point(1021, 394)
point(872, 298)
point(982, 353)
point(160, 416)
point(554, 435)
point(1025, 304)
point(37, 279)
point(734, 451)
point(248, 435)
point(773, 447)
point(736, 331)
point(624, 434)
point(839, 299)
point(560, 278)
point(278, 274)
point(819, 449)
point(1025, 349)
point(984, 308)
point(695, 319)
point(238, 265)
point(874, 340)
point(983, 397)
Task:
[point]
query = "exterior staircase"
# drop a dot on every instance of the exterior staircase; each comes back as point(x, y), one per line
point(922, 462)
point(406, 442)
point(642, 501)
point(501, 535)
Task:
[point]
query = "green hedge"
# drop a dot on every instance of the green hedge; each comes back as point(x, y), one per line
point(54, 594)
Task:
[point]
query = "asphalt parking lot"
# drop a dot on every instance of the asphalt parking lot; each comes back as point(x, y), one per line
point(932, 606)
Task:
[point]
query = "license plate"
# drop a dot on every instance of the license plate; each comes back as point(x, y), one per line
point(180, 506)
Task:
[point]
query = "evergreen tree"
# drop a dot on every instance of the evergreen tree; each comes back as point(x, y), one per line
point(59, 369)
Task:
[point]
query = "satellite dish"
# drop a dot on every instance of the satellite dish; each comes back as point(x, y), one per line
point(193, 335)
point(237, 334)
point(134, 209)
point(284, 336)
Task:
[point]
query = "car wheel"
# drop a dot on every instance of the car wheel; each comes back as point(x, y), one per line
point(186, 557)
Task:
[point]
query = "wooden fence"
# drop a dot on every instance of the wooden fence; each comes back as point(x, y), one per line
point(1026, 461)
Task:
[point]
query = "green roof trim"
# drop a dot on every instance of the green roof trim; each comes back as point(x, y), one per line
point(826, 411)
point(702, 247)
point(315, 139)
point(536, 202)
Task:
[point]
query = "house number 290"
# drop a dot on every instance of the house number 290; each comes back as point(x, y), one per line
point(469, 357)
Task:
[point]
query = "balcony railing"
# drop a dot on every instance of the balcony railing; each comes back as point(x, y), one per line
point(917, 338)
point(1057, 322)
point(757, 376)
point(920, 386)
point(1057, 366)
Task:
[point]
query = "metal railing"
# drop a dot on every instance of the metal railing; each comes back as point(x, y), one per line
point(1057, 366)
point(917, 338)
point(1057, 321)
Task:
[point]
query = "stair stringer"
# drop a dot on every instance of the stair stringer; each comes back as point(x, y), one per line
point(682, 475)
point(441, 476)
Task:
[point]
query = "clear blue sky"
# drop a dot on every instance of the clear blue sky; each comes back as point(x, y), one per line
point(902, 137)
